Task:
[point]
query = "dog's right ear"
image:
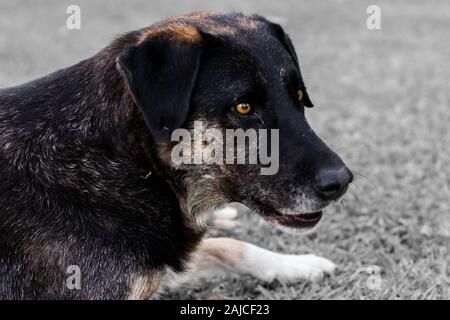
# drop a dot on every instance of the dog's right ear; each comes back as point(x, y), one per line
point(160, 72)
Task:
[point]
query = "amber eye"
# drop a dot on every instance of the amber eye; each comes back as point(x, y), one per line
point(243, 108)
point(300, 95)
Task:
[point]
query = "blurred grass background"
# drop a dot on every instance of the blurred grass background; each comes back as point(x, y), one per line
point(382, 102)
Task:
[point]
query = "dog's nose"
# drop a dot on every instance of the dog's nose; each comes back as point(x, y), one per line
point(332, 183)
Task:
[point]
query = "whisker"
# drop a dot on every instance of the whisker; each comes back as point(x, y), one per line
point(341, 205)
point(364, 176)
point(354, 194)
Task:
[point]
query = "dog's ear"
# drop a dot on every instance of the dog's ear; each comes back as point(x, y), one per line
point(285, 41)
point(160, 72)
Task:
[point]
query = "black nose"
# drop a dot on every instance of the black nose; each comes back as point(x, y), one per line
point(332, 183)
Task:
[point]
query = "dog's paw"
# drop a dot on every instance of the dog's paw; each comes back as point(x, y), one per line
point(225, 218)
point(292, 268)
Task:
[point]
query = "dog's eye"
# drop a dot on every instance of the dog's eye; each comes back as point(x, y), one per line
point(300, 95)
point(243, 108)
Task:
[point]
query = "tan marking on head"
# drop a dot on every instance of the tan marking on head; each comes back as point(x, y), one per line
point(201, 15)
point(180, 32)
point(216, 29)
point(143, 287)
point(194, 16)
point(181, 27)
point(186, 33)
point(247, 23)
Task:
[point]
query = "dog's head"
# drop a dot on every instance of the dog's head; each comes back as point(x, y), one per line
point(209, 71)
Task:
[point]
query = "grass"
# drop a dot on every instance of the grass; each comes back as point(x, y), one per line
point(382, 102)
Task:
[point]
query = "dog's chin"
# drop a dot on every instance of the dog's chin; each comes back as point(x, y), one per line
point(292, 220)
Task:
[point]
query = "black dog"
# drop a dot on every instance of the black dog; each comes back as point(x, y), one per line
point(85, 160)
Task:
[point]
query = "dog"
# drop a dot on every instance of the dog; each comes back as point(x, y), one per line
point(87, 179)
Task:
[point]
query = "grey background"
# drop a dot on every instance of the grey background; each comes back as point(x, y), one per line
point(382, 102)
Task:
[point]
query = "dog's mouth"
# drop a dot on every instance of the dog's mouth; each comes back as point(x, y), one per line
point(291, 220)
point(298, 220)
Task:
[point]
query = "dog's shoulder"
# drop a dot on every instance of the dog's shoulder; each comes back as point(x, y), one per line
point(76, 187)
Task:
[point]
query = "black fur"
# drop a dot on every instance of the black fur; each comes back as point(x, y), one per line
point(74, 189)
point(84, 178)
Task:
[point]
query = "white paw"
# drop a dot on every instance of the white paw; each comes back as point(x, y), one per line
point(225, 218)
point(292, 268)
point(307, 266)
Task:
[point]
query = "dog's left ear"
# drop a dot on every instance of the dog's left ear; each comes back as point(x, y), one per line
point(160, 72)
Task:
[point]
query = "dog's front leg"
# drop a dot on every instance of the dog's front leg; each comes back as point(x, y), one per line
point(227, 254)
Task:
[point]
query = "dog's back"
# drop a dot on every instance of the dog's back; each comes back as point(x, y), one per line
point(74, 191)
